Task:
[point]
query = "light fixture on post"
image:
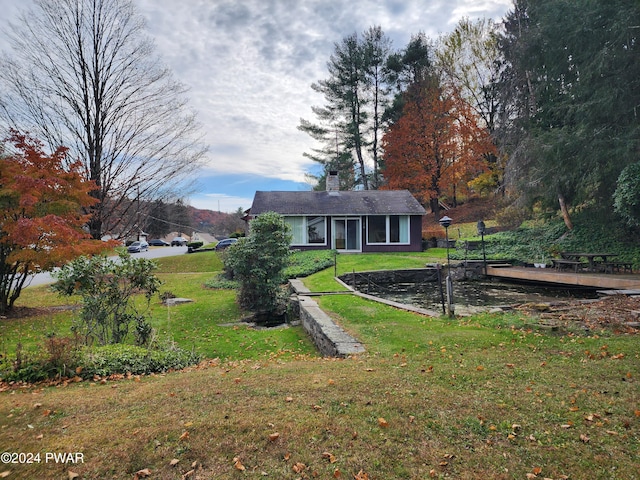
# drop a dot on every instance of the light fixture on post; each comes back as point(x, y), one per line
point(446, 223)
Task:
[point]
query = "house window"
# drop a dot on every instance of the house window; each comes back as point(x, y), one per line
point(297, 229)
point(307, 230)
point(316, 231)
point(388, 229)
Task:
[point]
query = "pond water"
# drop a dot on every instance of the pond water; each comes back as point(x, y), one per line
point(481, 295)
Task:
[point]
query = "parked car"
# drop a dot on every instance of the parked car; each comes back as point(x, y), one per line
point(179, 242)
point(137, 247)
point(158, 242)
point(222, 244)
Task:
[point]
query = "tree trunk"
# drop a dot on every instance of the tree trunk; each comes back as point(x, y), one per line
point(565, 211)
point(434, 204)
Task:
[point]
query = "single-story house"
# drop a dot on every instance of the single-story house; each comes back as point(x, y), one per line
point(348, 221)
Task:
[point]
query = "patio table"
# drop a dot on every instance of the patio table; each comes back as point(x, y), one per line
point(591, 258)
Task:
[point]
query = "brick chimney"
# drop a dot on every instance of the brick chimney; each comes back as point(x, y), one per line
point(333, 181)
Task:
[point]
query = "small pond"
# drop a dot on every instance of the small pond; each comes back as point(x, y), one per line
point(471, 296)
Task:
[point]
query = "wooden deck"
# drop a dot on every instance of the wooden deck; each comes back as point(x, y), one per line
point(605, 281)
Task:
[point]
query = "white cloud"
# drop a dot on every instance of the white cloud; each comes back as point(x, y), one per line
point(220, 202)
point(250, 65)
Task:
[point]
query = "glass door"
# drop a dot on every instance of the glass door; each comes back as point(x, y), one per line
point(346, 234)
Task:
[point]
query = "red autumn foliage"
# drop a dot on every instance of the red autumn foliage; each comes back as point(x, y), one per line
point(44, 202)
point(437, 142)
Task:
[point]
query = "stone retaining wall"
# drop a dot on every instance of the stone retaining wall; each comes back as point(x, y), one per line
point(330, 339)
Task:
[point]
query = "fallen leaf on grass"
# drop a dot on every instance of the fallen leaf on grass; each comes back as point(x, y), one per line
point(299, 467)
point(329, 456)
point(361, 475)
point(337, 473)
point(479, 368)
point(238, 464)
point(174, 462)
point(73, 475)
point(188, 474)
point(274, 436)
point(382, 422)
point(184, 436)
point(145, 472)
point(584, 438)
point(537, 470)
point(5, 474)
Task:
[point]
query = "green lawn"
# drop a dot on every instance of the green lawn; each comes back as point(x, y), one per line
point(487, 396)
point(211, 324)
point(324, 281)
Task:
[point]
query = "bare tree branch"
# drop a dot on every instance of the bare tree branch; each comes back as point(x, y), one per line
point(83, 74)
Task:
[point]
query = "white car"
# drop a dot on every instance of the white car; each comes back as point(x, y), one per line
point(137, 247)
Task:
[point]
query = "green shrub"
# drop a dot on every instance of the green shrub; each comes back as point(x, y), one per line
point(63, 358)
point(257, 263)
point(107, 288)
point(194, 245)
point(626, 198)
point(305, 263)
point(120, 358)
point(56, 358)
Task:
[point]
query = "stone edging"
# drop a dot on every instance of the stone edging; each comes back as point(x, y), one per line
point(330, 339)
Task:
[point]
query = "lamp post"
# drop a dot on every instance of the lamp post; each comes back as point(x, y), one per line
point(481, 229)
point(446, 223)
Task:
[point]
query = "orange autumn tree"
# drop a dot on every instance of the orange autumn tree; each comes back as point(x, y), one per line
point(42, 224)
point(436, 143)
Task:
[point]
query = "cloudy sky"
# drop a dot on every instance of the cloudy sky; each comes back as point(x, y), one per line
point(250, 64)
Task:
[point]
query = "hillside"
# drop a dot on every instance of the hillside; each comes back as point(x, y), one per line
point(471, 211)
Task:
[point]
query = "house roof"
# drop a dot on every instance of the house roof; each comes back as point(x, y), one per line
point(361, 202)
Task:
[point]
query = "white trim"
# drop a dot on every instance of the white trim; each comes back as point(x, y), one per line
point(305, 231)
point(388, 230)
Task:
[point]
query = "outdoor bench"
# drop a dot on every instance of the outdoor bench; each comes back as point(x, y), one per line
point(610, 267)
point(562, 263)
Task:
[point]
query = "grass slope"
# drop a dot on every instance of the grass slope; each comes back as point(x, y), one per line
point(484, 397)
